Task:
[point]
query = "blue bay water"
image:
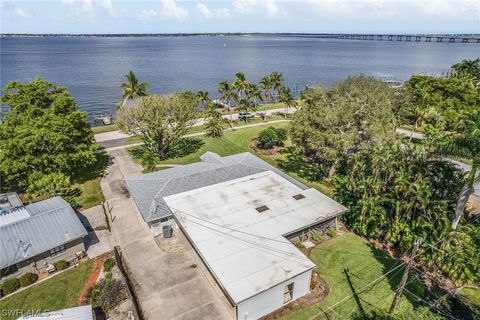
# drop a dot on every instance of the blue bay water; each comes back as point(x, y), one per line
point(94, 68)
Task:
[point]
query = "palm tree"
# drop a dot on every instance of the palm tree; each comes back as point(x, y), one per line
point(277, 79)
point(132, 88)
point(240, 83)
point(203, 98)
point(214, 124)
point(287, 99)
point(465, 145)
point(245, 105)
point(226, 90)
point(254, 93)
point(266, 85)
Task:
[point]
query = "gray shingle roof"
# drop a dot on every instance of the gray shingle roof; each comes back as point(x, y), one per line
point(50, 223)
point(148, 190)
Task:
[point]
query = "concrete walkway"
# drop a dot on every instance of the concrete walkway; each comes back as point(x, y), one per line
point(166, 284)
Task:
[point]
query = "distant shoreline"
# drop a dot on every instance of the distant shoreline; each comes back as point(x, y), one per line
point(214, 34)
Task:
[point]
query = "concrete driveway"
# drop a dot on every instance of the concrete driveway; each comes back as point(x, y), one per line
point(169, 285)
point(97, 242)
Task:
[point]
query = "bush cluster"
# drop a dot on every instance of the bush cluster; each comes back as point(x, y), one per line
point(61, 265)
point(10, 285)
point(331, 232)
point(106, 294)
point(27, 279)
point(108, 265)
point(272, 137)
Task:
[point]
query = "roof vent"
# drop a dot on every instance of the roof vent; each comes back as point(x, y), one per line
point(262, 208)
point(298, 196)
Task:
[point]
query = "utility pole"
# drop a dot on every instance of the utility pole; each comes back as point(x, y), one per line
point(398, 294)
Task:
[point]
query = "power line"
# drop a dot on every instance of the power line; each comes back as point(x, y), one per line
point(432, 305)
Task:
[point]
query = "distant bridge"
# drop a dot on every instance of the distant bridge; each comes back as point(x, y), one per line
point(451, 38)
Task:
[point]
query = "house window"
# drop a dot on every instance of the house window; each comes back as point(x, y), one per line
point(165, 219)
point(262, 208)
point(288, 293)
point(57, 250)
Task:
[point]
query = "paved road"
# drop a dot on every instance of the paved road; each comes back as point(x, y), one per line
point(116, 138)
point(166, 284)
point(114, 146)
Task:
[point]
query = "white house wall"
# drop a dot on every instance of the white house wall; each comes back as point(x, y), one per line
point(272, 299)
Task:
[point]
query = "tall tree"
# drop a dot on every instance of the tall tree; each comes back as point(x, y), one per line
point(203, 98)
point(245, 105)
point(214, 121)
point(43, 131)
point(133, 88)
point(469, 69)
point(228, 94)
point(160, 121)
point(333, 124)
point(253, 92)
point(464, 145)
point(240, 84)
point(266, 86)
point(277, 79)
point(287, 99)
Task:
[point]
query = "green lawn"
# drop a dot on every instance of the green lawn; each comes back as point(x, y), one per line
point(350, 254)
point(59, 292)
point(240, 141)
point(89, 184)
point(101, 129)
point(232, 142)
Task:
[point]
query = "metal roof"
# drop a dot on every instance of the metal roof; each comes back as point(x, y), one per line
point(245, 248)
point(76, 313)
point(9, 200)
point(50, 223)
point(148, 190)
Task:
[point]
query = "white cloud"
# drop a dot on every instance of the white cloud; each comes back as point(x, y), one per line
point(171, 9)
point(148, 13)
point(217, 12)
point(67, 2)
point(108, 6)
point(248, 7)
point(202, 8)
point(22, 13)
point(87, 5)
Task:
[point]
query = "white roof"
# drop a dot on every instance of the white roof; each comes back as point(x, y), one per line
point(245, 249)
point(77, 313)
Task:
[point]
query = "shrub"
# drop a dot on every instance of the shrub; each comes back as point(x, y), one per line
point(299, 245)
point(331, 232)
point(61, 265)
point(317, 237)
point(271, 137)
point(10, 285)
point(108, 265)
point(106, 294)
point(27, 279)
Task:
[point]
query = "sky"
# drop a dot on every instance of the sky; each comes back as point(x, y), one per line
point(176, 16)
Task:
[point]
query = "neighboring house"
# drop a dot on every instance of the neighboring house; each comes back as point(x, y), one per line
point(239, 212)
point(76, 313)
point(34, 236)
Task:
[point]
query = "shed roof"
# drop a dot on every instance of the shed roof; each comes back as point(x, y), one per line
point(148, 190)
point(243, 247)
point(46, 225)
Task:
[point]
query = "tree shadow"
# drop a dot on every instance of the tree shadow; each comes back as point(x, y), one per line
point(184, 147)
point(295, 162)
point(95, 170)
